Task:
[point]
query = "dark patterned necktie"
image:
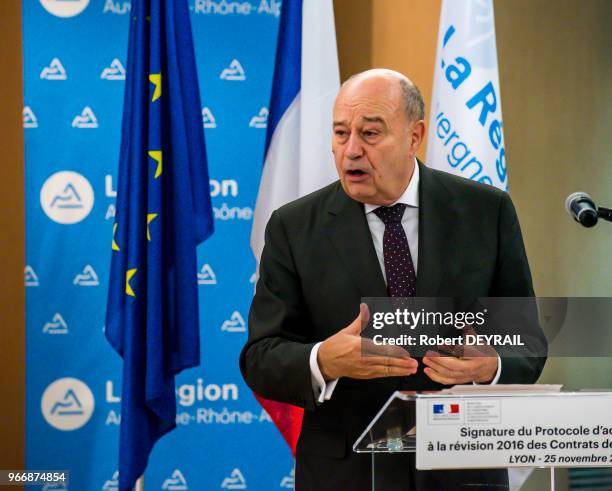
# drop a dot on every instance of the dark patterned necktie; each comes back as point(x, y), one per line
point(401, 277)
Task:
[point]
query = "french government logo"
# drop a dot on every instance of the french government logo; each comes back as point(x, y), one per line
point(64, 8)
point(208, 120)
point(57, 325)
point(115, 71)
point(447, 412)
point(29, 118)
point(176, 482)
point(67, 197)
point(55, 71)
point(67, 404)
point(87, 277)
point(260, 120)
point(235, 481)
point(87, 119)
point(112, 484)
point(234, 324)
point(233, 72)
point(207, 276)
point(30, 276)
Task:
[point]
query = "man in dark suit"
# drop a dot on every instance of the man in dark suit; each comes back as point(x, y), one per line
point(326, 251)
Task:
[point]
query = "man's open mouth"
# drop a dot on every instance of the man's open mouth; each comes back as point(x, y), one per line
point(356, 172)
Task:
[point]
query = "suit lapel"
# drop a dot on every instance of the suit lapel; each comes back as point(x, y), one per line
point(350, 236)
point(437, 225)
point(348, 231)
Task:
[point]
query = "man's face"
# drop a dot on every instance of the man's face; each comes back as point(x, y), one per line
point(373, 142)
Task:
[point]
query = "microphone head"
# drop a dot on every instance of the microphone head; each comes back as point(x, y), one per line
point(581, 208)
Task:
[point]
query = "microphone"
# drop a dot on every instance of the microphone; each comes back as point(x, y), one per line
point(581, 208)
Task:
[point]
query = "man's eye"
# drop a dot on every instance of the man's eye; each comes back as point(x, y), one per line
point(370, 134)
point(340, 133)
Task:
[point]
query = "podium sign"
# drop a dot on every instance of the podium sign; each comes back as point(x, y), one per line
point(503, 429)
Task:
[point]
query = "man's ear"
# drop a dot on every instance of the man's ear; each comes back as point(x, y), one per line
point(417, 135)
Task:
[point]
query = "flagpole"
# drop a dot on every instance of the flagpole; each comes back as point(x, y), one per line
point(140, 484)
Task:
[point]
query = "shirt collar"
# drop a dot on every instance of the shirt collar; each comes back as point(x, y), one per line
point(410, 197)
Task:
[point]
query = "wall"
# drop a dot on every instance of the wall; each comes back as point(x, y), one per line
point(396, 34)
point(557, 101)
point(12, 297)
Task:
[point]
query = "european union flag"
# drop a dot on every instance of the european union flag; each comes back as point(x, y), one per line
point(163, 213)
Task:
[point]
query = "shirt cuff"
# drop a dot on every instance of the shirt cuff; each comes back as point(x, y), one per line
point(322, 390)
point(497, 374)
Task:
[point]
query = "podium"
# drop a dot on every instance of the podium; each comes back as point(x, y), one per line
point(491, 427)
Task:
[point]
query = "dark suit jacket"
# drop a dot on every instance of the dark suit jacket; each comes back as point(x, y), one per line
point(319, 261)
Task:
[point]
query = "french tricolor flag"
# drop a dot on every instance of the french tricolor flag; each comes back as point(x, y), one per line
point(446, 408)
point(298, 158)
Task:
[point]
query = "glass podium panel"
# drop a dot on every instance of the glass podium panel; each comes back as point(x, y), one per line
point(393, 429)
point(390, 439)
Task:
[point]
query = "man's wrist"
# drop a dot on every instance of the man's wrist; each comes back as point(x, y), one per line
point(326, 376)
point(494, 378)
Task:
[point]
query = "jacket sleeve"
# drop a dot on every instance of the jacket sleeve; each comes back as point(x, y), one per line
point(275, 360)
point(513, 279)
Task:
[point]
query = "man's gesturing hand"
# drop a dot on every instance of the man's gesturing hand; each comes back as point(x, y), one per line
point(347, 354)
point(471, 364)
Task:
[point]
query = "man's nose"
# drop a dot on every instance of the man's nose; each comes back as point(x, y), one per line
point(354, 149)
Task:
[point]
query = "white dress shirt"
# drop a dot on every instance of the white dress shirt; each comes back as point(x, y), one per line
point(410, 222)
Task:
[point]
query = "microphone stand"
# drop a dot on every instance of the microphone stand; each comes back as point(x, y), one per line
point(605, 213)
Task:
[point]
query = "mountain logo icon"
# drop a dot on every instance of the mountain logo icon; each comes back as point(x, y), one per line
point(260, 120)
point(234, 324)
point(29, 118)
point(235, 481)
point(67, 404)
point(31, 278)
point(87, 278)
point(54, 487)
point(207, 276)
point(112, 484)
point(288, 482)
point(66, 197)
point(208, 120)
point(233, 72)
point(57, 325)
point(69, 198)
point(55, 71)
point(87, 119)
point(176, 482)
point(115, 71)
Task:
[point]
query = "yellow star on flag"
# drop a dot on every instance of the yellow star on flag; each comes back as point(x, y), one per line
point(157, 156)
point(115, 246)
point(150, 218)
point(155, 79)
point(128, 276)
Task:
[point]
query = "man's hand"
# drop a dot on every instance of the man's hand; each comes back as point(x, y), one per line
point(347, 354)
point(470, 364)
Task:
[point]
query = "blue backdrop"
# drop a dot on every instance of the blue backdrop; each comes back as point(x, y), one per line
point(74, 58)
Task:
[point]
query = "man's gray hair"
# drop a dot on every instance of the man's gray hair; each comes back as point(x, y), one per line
point(414, 106)
point(413, 100)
